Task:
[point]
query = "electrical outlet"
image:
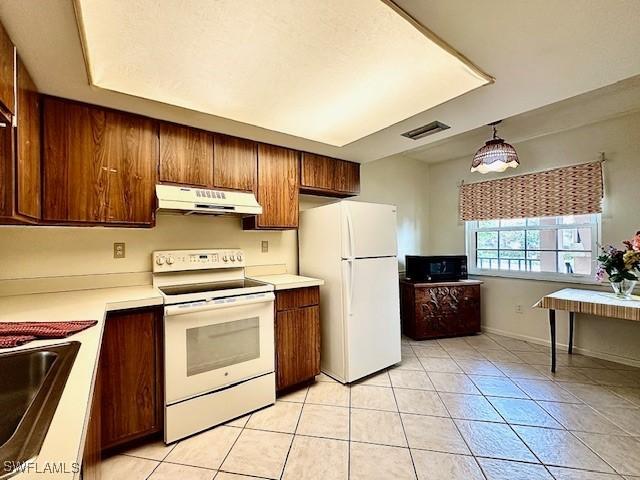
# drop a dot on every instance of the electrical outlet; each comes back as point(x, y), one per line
point(265, 246)
point(118, 250)
point(519, 309)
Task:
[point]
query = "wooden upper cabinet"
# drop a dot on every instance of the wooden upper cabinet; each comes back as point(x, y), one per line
point(7, 72)
point(278, 185)
point(348, 177)
point(186, 155)
point(75, 173)
point(320, 175)
point(131, 153)
point(28, 145)
point(235, 163)
point(317, 172)
point(99, 165)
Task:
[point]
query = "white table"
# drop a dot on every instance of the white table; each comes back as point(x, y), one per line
point(590, 302)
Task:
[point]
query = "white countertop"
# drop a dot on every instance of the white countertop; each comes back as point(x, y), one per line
point(65, 439)
point(286, 281)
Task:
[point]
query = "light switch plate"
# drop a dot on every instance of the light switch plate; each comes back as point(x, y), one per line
point(265, 246)
point(118, 250)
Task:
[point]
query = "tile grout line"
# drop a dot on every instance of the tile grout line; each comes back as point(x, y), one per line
point(293, 436)
point(404, 431)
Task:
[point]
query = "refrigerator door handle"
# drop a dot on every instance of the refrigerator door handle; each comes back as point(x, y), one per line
point(350, 232)
point(349, 284)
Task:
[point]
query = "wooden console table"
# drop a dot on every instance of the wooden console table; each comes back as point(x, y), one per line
point(439, 309)
point(590, 302)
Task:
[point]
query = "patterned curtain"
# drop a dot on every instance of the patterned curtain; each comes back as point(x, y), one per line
point(574, 190)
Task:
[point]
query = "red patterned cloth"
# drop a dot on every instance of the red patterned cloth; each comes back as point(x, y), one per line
point(13, 334)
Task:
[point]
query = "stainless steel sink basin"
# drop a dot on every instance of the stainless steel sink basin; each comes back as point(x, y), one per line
point(31, 384)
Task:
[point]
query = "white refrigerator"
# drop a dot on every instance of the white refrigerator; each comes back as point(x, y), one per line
point(352, 246)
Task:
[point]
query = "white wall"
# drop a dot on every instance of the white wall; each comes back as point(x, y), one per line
point(619, 138)
point(30, 252)
point(402, 182)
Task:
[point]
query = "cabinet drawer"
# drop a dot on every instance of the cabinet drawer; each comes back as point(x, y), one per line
point(297, 298)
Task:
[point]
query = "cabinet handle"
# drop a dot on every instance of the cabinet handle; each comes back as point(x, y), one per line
point(3, 125)
point(113, 170)
point(105, 168)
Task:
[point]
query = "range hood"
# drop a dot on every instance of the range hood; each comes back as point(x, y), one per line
point(188, 201)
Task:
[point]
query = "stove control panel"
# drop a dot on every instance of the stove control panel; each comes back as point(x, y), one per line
point(179, 260)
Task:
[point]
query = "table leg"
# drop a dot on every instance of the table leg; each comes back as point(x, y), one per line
point(552, 326)
point(571, 318)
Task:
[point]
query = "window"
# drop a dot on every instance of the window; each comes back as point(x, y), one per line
point(551, 248)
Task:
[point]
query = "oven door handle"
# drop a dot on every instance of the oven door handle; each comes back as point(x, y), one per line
point(218, 304)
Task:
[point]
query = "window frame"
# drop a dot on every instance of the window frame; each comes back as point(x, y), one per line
point(471, 228)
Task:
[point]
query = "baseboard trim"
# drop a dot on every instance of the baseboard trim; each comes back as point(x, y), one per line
point(563, 346)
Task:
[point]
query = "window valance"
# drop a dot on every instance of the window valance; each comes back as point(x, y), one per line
point(574, 190)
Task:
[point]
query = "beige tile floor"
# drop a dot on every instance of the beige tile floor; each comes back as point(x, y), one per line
point(484, 407)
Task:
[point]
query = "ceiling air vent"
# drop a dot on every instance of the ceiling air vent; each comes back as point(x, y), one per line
point(423, 131)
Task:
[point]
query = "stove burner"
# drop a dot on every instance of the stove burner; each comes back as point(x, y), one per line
point(210, 287)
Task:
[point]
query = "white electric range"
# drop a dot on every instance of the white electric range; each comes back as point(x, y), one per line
point(218, 339)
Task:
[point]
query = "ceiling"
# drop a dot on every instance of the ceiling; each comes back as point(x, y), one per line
point(591, 107)
point(330, 71)
point(539, 53)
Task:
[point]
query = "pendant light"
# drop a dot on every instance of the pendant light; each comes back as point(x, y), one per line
point(495, 156)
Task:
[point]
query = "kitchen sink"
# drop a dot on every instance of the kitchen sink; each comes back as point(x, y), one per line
point(31, 384)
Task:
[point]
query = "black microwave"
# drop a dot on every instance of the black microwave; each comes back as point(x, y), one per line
point(441, 268)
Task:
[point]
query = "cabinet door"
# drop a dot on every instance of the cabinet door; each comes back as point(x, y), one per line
point(28, 145)
point(75, 168)
point(186, 155)
point(348, 177)
point(297, 346)
point(317, 172)
point(131, 152)
point(234, 163)
point(130, 377)
point(6, 167)
point(278, 183)
point(7, 72)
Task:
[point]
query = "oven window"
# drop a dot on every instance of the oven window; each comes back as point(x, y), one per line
point(217, 346)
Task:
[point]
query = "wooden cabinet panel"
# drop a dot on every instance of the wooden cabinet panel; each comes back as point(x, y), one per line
point(439, 310)
point(28, 145)
point(130, 373)
point(297, 346)
point(317, 172)
point(7, 178)
point(186, 155)
point(278, 185)
point(327, 176)
point(7, 72)
point(99, 165)
point(131, 153)
point(74, 165)
point(297, 298)
point(348, 177)
point(235, 163)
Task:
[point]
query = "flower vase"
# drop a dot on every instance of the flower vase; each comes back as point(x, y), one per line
point(623, 288)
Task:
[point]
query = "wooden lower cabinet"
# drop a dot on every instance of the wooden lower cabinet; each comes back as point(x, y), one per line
point(131, 376)
point(297, 336)
point(436, 310)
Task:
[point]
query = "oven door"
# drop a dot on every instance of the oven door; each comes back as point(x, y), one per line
point(210, 345)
